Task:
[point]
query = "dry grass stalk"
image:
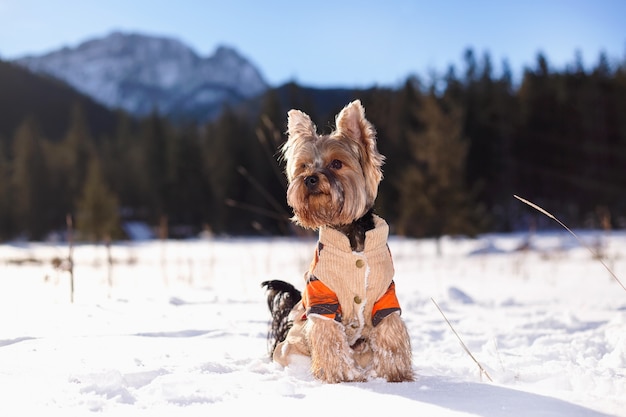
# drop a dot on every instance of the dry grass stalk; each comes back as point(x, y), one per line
point(593, 253)
point(482, 370)
point(70, 257)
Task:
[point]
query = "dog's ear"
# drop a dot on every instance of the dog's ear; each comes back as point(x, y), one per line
point(299, 124)
point(352, 124)
point(300, 129)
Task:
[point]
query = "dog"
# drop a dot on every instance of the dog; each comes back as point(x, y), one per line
point(347, 318)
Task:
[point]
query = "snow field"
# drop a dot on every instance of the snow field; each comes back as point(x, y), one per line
point(182, 329)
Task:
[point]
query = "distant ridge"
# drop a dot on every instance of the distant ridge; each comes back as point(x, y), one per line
point(141, 73)
point(48, 101)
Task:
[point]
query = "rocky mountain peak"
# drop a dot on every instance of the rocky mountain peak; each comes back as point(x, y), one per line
point(140, 73)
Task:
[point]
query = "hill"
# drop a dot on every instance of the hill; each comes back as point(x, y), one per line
point(141, 73)
point(48, 101)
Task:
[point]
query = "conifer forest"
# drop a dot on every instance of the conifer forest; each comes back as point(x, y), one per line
point(458, 146)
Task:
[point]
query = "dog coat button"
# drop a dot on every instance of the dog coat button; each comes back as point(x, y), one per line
point(357, 299)
point(360, 263)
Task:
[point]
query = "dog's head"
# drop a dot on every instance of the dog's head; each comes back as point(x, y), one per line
point(333, 179)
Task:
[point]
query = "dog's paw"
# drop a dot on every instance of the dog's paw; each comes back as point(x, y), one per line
point(393, 364)
point(349, 373)
point(332, 359)
point(391, 348)
point(335, 367)
point(395, 373)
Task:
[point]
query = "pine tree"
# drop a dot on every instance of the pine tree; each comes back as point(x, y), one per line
point(79, 148)
point(6, 221)
point(395, 117)
point(188, 193)
point(69, 163)
point(121, 162)
point(157, 169)
point(434, 199)
point(30, 181)
point(223, 153)
point(97, 216)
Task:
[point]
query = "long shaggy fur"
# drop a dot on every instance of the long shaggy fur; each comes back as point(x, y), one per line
point(391, 349)
point(327, 336)
point(333, 183)
point(281, 298)
point(344, 194)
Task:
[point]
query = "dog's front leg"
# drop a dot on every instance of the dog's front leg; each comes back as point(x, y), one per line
point(332, 359)
point(391, 347)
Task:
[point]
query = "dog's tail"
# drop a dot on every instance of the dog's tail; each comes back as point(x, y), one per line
point(281, 297)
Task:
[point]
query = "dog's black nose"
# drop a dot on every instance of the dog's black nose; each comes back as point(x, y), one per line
point(311, 181)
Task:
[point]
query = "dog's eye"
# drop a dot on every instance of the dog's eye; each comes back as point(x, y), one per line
point(336, 164)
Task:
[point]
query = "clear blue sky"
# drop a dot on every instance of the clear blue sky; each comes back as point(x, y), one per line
point(329, 43)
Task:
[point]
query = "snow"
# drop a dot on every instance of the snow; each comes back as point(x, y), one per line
point(181, 329)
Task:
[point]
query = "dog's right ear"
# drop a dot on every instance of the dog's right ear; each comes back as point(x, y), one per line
point(299, 124)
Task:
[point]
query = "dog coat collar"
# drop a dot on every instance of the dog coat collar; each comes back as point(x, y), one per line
point(374, 238)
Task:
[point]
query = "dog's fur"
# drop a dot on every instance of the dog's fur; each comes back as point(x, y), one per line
point(333, 183)
point(281, 298)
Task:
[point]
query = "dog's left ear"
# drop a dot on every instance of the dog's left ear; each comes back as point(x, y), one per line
point(352, 124)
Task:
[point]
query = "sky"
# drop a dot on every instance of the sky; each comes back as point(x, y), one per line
point(331, 43)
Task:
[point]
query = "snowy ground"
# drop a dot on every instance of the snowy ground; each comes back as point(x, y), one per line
point(182, 330)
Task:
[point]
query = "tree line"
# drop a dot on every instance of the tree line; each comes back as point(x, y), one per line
point(458, 147)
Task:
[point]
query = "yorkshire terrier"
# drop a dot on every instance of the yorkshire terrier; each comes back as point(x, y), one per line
point(347, 319)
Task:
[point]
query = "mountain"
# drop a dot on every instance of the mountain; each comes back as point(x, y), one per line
point(48, 101)
point(141, 73)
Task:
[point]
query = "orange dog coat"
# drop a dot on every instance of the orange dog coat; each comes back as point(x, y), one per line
point(355, 289)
